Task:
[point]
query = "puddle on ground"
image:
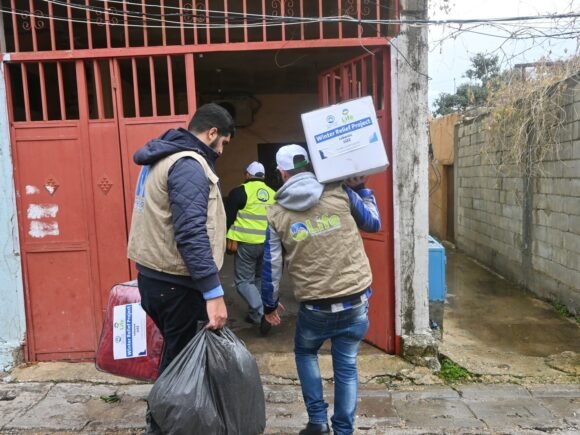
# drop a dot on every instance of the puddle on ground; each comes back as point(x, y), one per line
point(501, 315)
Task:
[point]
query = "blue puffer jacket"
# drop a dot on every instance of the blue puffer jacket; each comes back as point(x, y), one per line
point(188, 190)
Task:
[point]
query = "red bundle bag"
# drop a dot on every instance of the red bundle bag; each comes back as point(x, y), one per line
point(130, 343)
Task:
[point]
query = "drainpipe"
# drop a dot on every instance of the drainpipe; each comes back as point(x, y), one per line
point(411, 199)
point(12, 314)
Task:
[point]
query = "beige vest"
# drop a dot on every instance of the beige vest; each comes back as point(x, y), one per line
point(152, 240)
point(324, 251)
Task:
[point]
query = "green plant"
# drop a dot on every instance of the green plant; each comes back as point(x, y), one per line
point(564, 311)
point(113, 398)
point(484, 70)
point(561, 309)
point(452, 372)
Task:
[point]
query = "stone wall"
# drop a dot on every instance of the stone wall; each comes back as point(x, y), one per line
point(525, 227)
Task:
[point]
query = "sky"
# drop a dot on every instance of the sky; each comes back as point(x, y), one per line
point(449, 60)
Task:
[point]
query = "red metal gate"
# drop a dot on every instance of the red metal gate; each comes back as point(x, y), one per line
point(370, 75)
point(106, 28)
point(89, 82)
point(75, 126)
point(154, 94)
point(54, 184)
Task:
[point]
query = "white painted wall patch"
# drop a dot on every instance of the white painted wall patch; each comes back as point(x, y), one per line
point(32, 190)
point(12, 312)
point(40, 229)
point(39, 211)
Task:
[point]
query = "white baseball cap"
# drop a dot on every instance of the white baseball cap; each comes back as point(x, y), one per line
point(256, 169)
point(286, 157)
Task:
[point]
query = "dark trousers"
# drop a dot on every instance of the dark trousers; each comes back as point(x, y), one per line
point(175, 310)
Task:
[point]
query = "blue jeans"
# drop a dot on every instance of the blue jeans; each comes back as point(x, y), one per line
point(345, 330)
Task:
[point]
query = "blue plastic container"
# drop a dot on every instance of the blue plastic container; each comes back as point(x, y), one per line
point(437, 285)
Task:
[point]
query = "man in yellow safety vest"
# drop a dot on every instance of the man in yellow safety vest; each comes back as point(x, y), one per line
point(246, 222)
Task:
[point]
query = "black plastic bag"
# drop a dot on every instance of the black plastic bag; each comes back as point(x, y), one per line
point(212, 387)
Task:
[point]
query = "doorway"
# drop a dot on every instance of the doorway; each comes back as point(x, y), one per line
point(449, 174)
point(301, 81)
point(267, 156)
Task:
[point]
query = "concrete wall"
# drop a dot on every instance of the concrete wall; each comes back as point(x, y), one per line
point(277, 121)
point(410, 159)
point(12, 317)
point(442, 135)
point(527, 228)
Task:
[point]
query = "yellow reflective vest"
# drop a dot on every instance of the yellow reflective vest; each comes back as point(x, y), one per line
point(250, 224)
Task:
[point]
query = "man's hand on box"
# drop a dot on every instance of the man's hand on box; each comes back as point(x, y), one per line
point(354, 182)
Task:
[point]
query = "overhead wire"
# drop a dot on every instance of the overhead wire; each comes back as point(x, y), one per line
point(302, 20)
point(209, 11)
point(155, 17)
point(234, 20)
point(349, 18)
point(515, 36)
point(218, 20)
point(121, 24)
point(513, 32)
point(278, 20)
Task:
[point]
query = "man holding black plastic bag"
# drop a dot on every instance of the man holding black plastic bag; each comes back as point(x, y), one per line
point(313, 228)
point(178, 230)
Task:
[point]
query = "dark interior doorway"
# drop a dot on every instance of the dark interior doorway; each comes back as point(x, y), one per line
point(267, 156)
point(450, 202)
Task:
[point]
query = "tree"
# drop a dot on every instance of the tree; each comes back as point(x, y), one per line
point(484, 69)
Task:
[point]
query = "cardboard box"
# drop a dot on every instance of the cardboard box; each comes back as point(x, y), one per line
point(344, 140)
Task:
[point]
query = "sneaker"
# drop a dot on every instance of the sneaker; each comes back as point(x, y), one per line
point(315, 429)
point(248, 319)
point(265, 326)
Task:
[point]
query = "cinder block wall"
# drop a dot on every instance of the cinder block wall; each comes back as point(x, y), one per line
point(531, 236)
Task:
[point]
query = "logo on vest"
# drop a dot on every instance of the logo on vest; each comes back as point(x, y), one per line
point(140, 190)
point(263, 195)
point(314, 227)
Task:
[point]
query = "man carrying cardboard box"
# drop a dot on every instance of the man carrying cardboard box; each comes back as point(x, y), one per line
point(314, 229)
